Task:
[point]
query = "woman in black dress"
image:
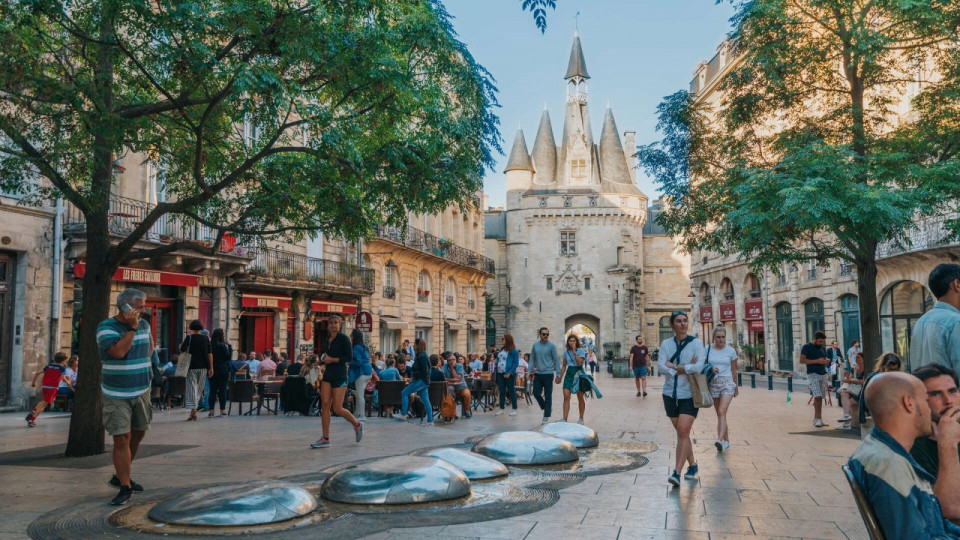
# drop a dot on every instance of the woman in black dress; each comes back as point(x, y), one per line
point(222, 354)
point(333, 386)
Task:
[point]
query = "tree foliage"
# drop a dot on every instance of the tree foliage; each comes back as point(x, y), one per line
point(538, 8)
point(836, 129)
point(262, 117)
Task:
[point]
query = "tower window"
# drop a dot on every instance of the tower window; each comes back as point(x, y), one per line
point(549, 283)
point(586, 283)
point(568, 243)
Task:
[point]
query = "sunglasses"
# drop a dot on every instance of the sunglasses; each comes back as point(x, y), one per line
point(676, 313)
point(544, 333)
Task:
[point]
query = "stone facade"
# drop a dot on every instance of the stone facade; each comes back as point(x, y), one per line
point(570, 246)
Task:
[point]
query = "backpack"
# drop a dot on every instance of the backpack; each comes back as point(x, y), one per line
point(448, 408)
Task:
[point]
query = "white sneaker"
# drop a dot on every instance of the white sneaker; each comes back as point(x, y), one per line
point(845, 418)
point(400, 417)
point(512, 413)
point(580, 421)
point(845, 426)
point(818, 423)
point(498, 413)
point(726, 445)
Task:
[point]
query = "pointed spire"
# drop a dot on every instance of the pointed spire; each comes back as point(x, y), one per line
point(613, 163)
point(545, 151)
point(577, 66)
point(519, 157)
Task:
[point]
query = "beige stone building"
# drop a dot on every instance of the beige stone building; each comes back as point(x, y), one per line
point(573, 246)
point(781, 310)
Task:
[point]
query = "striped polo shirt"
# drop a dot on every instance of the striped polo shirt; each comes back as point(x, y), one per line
point(130, 376)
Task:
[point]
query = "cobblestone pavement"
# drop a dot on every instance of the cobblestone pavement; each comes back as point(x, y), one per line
point(776, 480)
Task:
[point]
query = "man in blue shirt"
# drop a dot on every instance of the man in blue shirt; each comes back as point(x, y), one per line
point(453, 373)
point(898, 489)
point(936, 335)
point(390, 373)
point(476, 364)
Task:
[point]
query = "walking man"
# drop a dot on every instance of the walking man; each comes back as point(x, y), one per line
point(814, 356)
point(638, 360)
point(544, 366)
point(936, 335)
point(126, 351)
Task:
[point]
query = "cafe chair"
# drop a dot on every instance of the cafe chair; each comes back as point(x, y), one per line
point(866, 513)
point(436, 392)
point(389, 392)
point(176, 389)
point(241, 392)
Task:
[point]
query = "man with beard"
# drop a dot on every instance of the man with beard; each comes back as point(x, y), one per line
point(937, 457)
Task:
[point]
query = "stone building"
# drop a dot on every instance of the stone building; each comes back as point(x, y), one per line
point(781, 310)
point(570, 247)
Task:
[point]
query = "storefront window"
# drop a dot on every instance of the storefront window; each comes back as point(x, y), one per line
point(900, 308)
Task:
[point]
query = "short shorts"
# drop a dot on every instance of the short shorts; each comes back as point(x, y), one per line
point(722, 386)
point(121, 416)
point(818, 384)
point(676, 407)
point(640, 372)
point(49, 395)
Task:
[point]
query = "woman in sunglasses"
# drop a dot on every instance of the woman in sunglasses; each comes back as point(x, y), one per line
point(680, 355)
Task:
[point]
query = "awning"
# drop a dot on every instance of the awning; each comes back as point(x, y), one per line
point(328, 306)
point(258, 300)
point(454, 325)
point(393, 323)
point(144, 275)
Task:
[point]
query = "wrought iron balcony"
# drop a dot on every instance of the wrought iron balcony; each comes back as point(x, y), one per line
point(846, 269)
point(125, 215)
point(288, 266)
point(438, 247)
point(811, 274)
point(423, 296)
point(390, 292)
point(928, 233)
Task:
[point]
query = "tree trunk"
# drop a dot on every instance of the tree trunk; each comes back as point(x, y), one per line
point(86, 423)
point(869, 314)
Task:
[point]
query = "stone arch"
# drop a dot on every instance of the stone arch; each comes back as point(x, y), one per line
point(901, 304)
point(589, 321)
point(726, 288)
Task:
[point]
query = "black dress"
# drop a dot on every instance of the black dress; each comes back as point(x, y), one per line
point(341, 349)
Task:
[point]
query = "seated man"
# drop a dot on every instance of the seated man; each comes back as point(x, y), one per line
point(453, 373)
point(937, 456)
point(390, 373)
point(476, 364)
point(239, 369)
point(897, 489)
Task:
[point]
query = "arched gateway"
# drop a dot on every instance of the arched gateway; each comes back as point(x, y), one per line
point(584, 324)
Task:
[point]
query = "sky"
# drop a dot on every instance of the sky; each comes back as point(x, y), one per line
point(637, 52)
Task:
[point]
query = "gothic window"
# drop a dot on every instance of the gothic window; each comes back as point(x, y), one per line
point(543, 202)
point(567, 202)
point(568, 243)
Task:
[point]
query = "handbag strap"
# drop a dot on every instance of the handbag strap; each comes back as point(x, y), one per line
point(676, 356)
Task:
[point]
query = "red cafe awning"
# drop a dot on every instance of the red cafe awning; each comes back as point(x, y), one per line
point(728, 311)
point(259, 300)
point(144, 275)
point(755, 326)
point(706, 313)
point(327, 306)
point(753, 310)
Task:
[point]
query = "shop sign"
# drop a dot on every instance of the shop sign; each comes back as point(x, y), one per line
point(706, 314)
point(728, 311)
point(144, 275)
point(269, 301)
point(753, 310)
point(755, 326)
point(324, 306)
point(364, 322)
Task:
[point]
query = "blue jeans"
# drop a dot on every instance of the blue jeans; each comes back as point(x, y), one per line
point(543, 392)
point(507, 389)
point(422, 389)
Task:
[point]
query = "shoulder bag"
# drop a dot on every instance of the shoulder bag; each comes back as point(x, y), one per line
point(183, 361)
point(699, 389)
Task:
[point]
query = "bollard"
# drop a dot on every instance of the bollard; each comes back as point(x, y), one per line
point(739, 379)
point(753, 380)
point(789, 383)
point(769, 382)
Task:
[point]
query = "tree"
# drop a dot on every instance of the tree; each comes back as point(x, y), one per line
point(538, 8)
point(816, 151)
point(264, 118)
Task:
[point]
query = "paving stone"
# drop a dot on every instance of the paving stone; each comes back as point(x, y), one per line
point(709, 523)
point(764, 526)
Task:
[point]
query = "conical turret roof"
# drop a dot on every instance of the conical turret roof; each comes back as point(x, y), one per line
point(519, 157)
point(577, 66)
point(613, 161)
point(545, 152)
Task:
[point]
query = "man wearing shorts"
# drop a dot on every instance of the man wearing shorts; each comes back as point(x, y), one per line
point(126, 351)
point(814, 356)
point(638, 360)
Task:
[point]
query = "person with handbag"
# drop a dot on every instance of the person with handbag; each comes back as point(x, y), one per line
point(198, 355)
point(574, 356)
point(508, 360)
point(679, 356)
point(723, 386)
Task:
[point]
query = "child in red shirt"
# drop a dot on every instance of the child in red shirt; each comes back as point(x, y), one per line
point(53, 373)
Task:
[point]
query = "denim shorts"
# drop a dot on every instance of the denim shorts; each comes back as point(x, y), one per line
point(640, 372)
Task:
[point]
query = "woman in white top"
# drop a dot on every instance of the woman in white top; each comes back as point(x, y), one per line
point(677, 399)
point(723, 387)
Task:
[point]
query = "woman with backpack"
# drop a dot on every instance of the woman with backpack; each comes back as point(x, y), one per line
point(360, 372)
point(680, 355)
point(574, 357)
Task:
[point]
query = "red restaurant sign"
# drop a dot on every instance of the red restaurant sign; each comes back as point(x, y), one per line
point(706, 314)
point(257, 300)
point(364, 322)
point(728, 311)
point(755, 326)
point(324, 306)
point(144, 275)
point(753, 310)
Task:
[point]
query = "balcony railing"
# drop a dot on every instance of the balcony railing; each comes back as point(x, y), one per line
point(928, 233)
point(295, 267)
point(423, 296)
point(846, 269)
point(125, 215)
point(812, 274)
point(438, 247)
point(390, 292)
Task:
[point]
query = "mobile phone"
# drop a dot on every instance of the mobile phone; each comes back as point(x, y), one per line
point(126, 308)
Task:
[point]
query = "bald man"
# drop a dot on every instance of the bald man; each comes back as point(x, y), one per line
point(898, 489)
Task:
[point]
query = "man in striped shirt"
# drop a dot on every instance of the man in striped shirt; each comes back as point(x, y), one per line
point(126, 353)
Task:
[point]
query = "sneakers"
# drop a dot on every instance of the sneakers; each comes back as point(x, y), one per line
point(429, 425)
point(845, 418)
point(674, 479)
point(359, 431)
point(545, 420)
point(692, 471)
point(639, 394)
point(498, 413)
point(512, 413)
point(467, 415)
point(122, 497)
point(644, 394)
point(845, 426)
point(115, 482)
point(30, 420)
point(719, 445)
point(400, 417)
point(321, 443)
point(726, 445)
point(818, 423)
point(580, 421)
